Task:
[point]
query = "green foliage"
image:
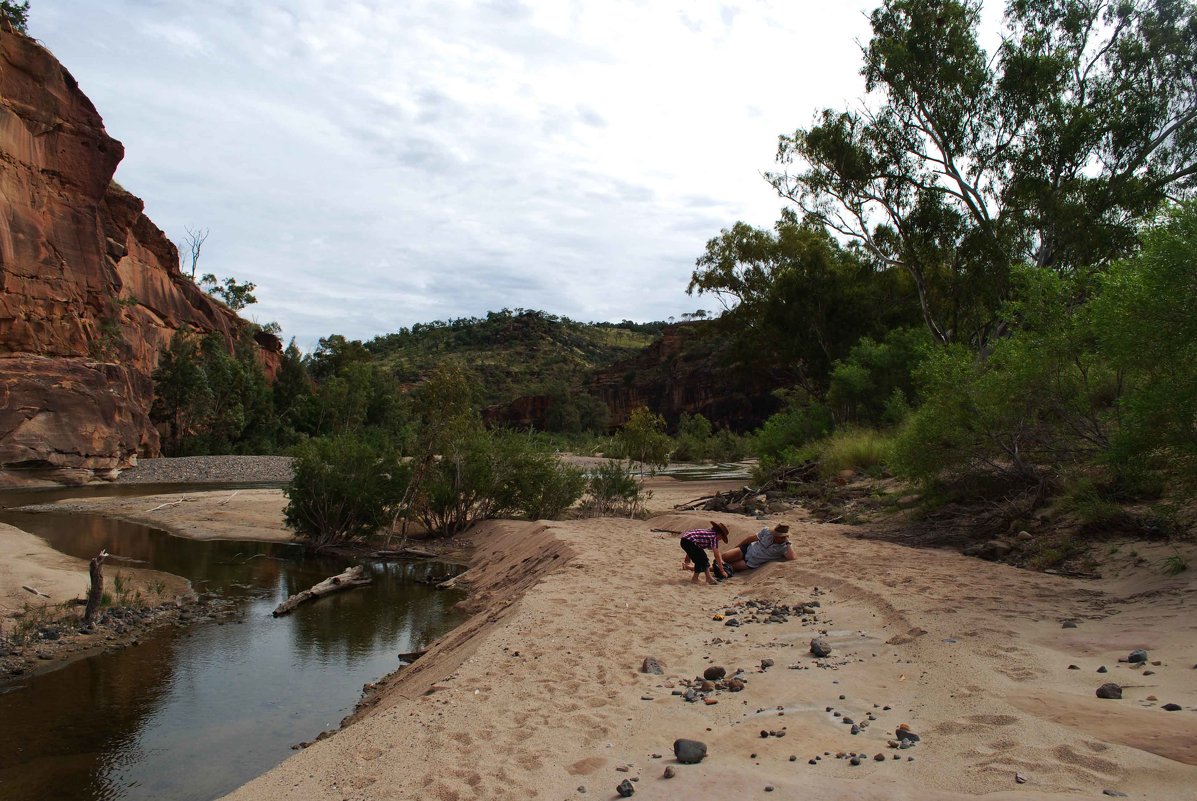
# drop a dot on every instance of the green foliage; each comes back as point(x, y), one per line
point(1040, 403)
point(210, 400)
point(516, 353)
point(875, 382)
point(344, 488)
point(1048, 152)
point(785, 433)
point(15, 14)
point(614, 490)
point(1175, 564)
point(858, 449)
point(643, 439)
point(235, 295)
point(1146, 323)
point(796, 297)
point(696, 441)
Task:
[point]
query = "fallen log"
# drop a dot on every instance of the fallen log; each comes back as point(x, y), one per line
point(402, 553)
point(34, 590)
point(353, 577)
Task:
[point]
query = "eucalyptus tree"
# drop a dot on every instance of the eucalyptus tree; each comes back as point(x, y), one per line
point(961, 163)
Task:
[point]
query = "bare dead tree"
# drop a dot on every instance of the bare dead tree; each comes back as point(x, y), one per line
point(96, 593)
point(189, 250)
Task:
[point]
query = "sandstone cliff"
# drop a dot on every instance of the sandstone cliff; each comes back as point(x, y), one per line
point(90, 288)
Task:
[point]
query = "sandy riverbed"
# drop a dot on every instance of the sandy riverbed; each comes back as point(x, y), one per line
point(539, 693)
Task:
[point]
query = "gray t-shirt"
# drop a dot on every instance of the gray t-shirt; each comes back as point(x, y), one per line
point(765, 549)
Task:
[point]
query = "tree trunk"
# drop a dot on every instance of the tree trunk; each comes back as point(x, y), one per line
point(96, 593)
point(353, 577)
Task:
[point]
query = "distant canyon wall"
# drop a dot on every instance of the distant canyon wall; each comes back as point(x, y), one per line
point(90, 288)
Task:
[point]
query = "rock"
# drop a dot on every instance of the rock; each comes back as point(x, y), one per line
point(820, 648)
point(626, 789)
point(766, 664)
point(1137, 656)
point(1073, 667)
point(1068, 624)
point(854, 761)
point(1110, 691)
point(1171, 707)
point(735, 685)
point(714, 673)
point(855, 729)
point(1102, 669)
point(669, 772)
point(690, 695)
point(1020, 779)
point(768, 788)
point(905, 735)
point(689, 752)
point(651, 665)
point(92, 288)
point(1024, 536)
point(1114, 793)
point(879, 758)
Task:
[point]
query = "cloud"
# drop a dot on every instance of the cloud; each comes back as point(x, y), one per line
point(370, 164)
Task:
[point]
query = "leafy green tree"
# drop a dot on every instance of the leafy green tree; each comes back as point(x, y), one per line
point(181, 392)
point(877, 378)
point(15, 14)
point(1049, 151)
point(343, 488)
point(236, 295)
point(1145, 321)
point(794, 295)
point(643, 439)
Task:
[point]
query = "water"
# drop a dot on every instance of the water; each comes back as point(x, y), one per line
point(191, 713)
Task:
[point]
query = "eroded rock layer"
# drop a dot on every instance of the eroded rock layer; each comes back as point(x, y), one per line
point(90, 288)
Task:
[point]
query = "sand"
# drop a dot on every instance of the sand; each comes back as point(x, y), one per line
point(539, 693)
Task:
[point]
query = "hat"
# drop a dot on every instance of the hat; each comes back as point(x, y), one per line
point(781, 528)
point(720, 529)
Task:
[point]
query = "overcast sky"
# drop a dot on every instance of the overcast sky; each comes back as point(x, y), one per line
point(374, 164)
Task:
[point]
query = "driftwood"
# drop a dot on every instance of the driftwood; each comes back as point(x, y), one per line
point(96, 593)
point(412, 656)
point(34, 590)
point(747, 500)
point(353, 577)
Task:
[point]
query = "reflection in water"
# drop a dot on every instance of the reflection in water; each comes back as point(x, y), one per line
point(192, 713)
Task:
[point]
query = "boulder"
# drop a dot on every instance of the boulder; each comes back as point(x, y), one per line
point(689, 752)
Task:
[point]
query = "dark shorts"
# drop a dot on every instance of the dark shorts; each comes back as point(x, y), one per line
point(697, 554)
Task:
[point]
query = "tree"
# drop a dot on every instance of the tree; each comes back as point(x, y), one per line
point(794, 294)
point(189, 250)
point(235, 295)
point(15, 14)
point(643, 439)
point(1050, 152)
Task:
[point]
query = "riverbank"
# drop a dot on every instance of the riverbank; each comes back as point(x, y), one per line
point(39, 631)
point(541, 694)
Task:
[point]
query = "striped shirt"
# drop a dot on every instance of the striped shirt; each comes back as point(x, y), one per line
point(702, 537)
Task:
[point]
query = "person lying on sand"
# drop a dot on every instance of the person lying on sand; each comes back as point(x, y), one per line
point(695, 543)
point(767, 545)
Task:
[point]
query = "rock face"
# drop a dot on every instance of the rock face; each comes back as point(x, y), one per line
point(90, 288)
point(683, 372)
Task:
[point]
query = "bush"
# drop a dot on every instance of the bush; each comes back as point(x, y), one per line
point(613, 489)
point(876, 380)
point(343, 489)
point(643, 439)
point(783, 434)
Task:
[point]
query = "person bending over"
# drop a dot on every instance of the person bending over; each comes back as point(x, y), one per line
point(767, 545)
point(696, 542)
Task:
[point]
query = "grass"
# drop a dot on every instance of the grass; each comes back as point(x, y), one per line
point(858, 449)
point(1175, 564)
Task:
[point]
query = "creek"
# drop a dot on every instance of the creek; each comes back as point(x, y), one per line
point(194, 711)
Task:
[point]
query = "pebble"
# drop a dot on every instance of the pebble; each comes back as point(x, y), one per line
point(1068, 624)
point(669, 772)
point(1114, 793)
point(879, 758)
point(1137, 656)
point(626, 789)
point(768, 788)
point(1073, 667)
point(766, 664)
point(1171, 707)
point(1110, 691)
point(689, 752)
point(714, 673)
point(1102, 669)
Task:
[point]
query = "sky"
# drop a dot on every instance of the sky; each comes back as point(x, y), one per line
point(372, 164)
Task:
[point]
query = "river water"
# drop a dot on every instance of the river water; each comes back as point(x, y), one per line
point(192, 712)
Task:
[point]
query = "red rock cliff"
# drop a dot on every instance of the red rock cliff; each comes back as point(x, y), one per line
point(90, 288)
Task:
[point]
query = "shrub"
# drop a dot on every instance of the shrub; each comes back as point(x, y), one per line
point(343, 488)
point(613, 489)
point(876, 379)
point(643, 439)
point(787, 431)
